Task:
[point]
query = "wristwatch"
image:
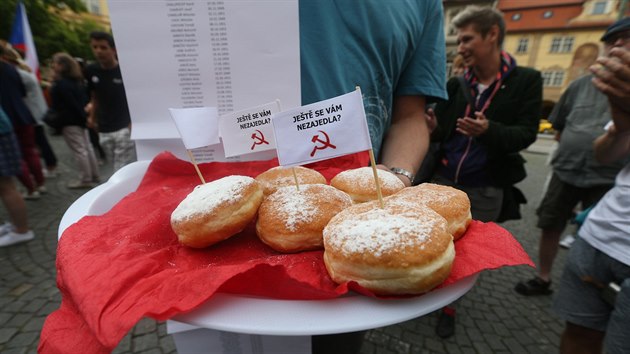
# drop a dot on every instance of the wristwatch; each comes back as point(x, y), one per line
point(402, 172)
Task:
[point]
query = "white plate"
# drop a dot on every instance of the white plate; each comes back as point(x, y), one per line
point(264, 316)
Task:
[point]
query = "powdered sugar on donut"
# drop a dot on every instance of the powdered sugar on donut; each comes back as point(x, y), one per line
point(378, 232)
point(441, 195)
point(364, 178)
point(206, 197)
point(296, 205)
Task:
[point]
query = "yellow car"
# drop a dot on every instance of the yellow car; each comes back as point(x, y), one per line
point(545, 127)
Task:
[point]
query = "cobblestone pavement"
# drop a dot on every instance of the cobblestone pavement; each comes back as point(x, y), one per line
point(491, 318)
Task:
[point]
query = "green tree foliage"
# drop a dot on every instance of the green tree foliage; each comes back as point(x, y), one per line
point(51, 33)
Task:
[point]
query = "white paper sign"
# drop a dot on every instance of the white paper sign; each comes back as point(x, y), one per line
point(220, 53)
point(322, 130)
point(198, 127)
point(248, 131)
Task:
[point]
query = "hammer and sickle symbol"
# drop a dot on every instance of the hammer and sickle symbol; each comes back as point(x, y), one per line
point(258, 139)
point(325, 144)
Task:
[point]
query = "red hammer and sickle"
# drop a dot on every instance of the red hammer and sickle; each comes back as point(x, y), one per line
point(325, 143)
point(258, 140)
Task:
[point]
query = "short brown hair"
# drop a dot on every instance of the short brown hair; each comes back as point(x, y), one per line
point(483, 18)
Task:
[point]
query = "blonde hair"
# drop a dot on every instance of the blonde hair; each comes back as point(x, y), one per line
point(12, 56)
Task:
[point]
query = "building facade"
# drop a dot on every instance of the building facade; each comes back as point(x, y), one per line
point(561, 38)
point(97, 7)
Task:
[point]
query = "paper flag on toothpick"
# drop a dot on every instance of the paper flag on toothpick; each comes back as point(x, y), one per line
point(321, 130)
point(198, 126)
point(249, 130)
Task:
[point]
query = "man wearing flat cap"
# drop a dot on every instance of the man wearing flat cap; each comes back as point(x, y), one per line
point(579, 117)
point(619, 30)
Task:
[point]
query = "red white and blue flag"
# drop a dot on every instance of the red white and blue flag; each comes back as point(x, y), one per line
point(22, 38)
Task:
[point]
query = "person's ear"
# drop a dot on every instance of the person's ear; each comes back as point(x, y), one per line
point(493, 33)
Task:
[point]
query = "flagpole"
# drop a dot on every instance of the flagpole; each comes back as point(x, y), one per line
point(379, 193)
point(297, 183)
point(194, 162)
point(295, 177)
point(376, 180)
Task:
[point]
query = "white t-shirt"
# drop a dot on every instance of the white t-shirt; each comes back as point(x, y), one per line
point(607, 227)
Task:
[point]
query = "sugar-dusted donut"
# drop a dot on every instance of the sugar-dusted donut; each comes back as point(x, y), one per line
point(277, 177)
point(290, 220)
point(453, 204)
point(359, 183)
point(390, 250)
point(214, 211)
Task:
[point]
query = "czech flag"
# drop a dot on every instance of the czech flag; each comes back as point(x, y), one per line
point(21, 38)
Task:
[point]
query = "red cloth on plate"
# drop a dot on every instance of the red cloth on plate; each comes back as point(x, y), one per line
point(114, 269)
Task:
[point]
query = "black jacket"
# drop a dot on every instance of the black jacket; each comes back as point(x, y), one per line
point(68, 101)
point(513, 115)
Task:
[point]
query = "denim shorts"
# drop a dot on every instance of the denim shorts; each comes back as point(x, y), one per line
point(579, 298)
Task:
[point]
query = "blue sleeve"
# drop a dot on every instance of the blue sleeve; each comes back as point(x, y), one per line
point(426, 72)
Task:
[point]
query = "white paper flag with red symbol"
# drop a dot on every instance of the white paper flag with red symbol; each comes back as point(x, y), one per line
point(322, 130)
point(248, 131)
point(198, 126)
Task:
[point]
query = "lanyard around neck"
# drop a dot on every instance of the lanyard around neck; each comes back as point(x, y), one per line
point(488, 101)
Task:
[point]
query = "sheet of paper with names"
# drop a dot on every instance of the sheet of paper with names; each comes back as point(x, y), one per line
point(226, 54)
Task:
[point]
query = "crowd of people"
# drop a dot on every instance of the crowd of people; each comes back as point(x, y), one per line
point(477, 124)
point(76, 102)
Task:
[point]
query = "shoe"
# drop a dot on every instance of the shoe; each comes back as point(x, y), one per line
point(80, 185)
point(42, 189)
point(31, 196)
point(567, 241)
point(535, 286)
point(446, 324)
point(6, 228)
point(13, 237)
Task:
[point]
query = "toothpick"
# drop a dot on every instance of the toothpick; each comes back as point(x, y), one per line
point(379, 194)
point(376, 181)
point(297, 183)
point(192, 159)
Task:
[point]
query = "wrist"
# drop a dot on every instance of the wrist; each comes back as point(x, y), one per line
point(405, 176)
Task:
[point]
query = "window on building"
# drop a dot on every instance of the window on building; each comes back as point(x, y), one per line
point(522, 47)
point(561, 44)
point(567, 45)
point(600, 7)
point(516, 17)
point(557, 79)
point(547, 14)
point(555, 45)
point(553, 78)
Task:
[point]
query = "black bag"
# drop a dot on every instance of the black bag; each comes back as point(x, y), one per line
point(511, 206)
point(52, 119)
